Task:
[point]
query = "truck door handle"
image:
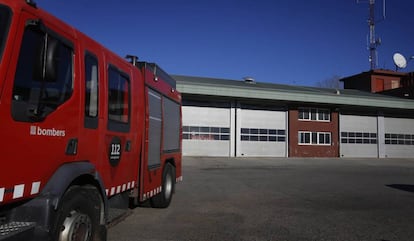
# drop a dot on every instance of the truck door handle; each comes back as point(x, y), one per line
point(72, 147)
point(128, 145)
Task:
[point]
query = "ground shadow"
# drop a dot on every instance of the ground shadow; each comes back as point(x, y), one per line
point(403, 187)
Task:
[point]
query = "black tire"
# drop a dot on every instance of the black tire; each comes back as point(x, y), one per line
point(78, 216)
point(163, 199)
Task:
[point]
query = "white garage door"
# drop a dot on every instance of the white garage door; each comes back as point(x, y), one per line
point(399, 137)
point(358, 136)
point(206, 130)
point(261, 133)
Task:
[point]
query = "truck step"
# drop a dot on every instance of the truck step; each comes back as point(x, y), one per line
point(16, 230)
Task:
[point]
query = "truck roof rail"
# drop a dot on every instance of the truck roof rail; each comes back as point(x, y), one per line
point(158, 73)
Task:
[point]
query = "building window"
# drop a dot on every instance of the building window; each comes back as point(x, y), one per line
point(314, 114)
point(399, 139)
point(395, 84)
point(264, 135)
point(314, 138)
point(358, 138)
point(206, 133)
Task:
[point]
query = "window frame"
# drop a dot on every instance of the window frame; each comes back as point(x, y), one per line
point(206, 133)
point(113, 123)
point(91, 121)
point(51, 94)
point(399, 139)
point(309, 138)
point(262, 135)
point(355, 137)
point(314, 114)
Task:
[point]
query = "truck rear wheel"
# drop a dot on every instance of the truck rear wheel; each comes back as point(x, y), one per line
point(163, 199)
point(79, 215)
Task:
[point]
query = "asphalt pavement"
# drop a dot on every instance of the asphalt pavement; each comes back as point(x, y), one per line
point(297, 199)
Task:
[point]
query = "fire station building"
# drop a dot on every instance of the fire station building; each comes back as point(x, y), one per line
point(246, 118)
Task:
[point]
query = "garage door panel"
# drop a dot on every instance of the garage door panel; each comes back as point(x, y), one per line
point(399, 137)
point(206, 116)
point(268, 149)
point(262, 133)
point(355, 150)
point(206, 131)
point(205, 148)
point(399, 125)
point(356, 123)
point(358, 136)
point(263, 119)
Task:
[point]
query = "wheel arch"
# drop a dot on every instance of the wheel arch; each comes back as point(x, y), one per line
point(76, 173)
point(42, 209)
point(170, 161)
point(163, 199)
point(89, 181)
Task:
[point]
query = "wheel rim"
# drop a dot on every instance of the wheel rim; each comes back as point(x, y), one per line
point(168, 186)
point(76, 227)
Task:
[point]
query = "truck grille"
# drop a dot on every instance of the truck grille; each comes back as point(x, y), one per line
point(13, 228)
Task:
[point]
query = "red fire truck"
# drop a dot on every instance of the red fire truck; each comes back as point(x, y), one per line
point(85, 133)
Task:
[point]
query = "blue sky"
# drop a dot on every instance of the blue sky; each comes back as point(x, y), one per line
point(288, 42)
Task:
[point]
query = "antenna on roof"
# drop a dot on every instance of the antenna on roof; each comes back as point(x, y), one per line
point(373, 41)
point(400, 61)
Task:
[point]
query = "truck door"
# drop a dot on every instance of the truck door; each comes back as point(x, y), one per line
point(120, 141)
point(39, 106)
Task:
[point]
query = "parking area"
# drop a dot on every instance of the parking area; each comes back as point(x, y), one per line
point(282, 199)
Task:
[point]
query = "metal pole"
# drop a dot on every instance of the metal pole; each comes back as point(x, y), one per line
point(372, 41)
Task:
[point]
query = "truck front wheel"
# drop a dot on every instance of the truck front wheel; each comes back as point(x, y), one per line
point(79, 215)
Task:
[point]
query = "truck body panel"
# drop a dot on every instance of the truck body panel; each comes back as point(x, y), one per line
point(67, 99)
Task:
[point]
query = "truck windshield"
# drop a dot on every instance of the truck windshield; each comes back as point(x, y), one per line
point(5, 15)
point(41, 84)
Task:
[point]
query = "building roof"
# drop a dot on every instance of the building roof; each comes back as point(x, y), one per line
point(381, 72)
point(277, 92)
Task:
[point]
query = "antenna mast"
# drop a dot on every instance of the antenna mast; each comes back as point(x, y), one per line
point(373, 41)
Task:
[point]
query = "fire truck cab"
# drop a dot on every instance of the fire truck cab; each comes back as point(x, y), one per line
point(85, 133)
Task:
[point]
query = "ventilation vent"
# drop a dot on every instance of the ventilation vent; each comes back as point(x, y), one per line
point(249, 80)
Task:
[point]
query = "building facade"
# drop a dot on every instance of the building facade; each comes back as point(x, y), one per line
point(313, 132)
point(385, 82)
point(236, 118)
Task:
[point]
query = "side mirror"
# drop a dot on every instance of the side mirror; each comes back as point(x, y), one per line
point(52, 60)
point(47, 61)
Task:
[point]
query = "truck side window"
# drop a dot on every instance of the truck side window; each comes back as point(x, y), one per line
point(118, 100)
point(41, 86)
point(91, 91)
